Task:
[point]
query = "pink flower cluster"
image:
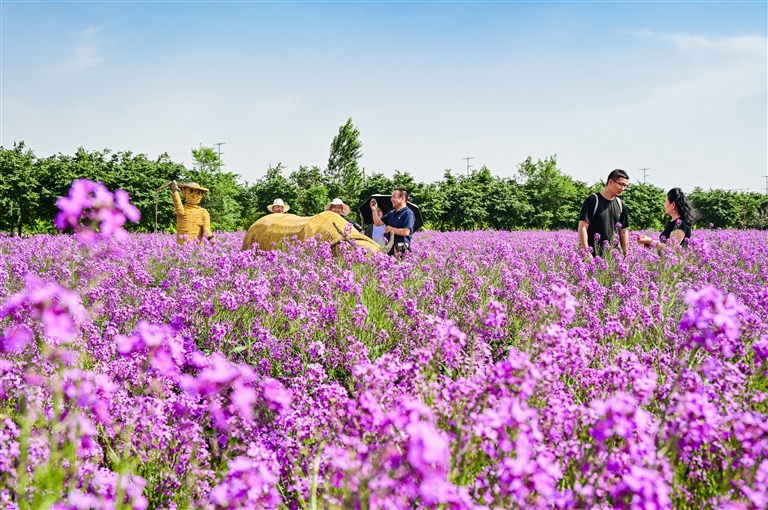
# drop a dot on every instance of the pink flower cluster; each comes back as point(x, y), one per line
point(487, 370)
point(94, 212)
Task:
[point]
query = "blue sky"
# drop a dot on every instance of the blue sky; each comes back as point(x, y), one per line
point(679, 87)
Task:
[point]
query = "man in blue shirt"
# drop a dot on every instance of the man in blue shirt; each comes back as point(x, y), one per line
point(399, 221)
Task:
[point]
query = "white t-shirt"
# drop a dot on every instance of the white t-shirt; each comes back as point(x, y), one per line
point(378, 234)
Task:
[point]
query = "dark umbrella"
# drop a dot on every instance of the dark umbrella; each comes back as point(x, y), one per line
point(385, 204)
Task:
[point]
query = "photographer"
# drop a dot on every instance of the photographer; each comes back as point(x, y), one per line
point(399, 221)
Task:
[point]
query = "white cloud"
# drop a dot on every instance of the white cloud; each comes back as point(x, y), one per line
point(727, 70)
point(87, 50)
point(692, 108)
point(741, 44)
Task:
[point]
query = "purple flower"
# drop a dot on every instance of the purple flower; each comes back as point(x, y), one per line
point(714, 320)
point(428, 449)
point(15, 339)
point(58, 308)
point(761, 349)
point(242, 399)
point(566, 304)
point(123, 202)
point(91, 207)
point(250, 482)
point(278, 397)
point(645, 488)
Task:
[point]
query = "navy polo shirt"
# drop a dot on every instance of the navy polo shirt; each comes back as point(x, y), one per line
point(403, 218)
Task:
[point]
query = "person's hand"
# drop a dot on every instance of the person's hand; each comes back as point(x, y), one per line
point(174, 186)
point(374, 204)
point(644, 240)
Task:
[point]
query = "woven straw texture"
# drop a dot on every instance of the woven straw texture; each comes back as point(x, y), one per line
point(273, 228)
point(192, 221)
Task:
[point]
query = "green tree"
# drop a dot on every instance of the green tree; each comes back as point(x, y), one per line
point(555, 198)
point(717, 207)
point(343, 176)
point(265, 190)
point(222, 202)
point(508, 207)
point(761, 220)
point(19, 187)
point(136, 174)
point(140, 177)
point(376, 183)
point(461, 200)
point(645, 203)
point(311, 193)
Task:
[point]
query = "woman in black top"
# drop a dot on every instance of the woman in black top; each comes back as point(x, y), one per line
point(683, 216)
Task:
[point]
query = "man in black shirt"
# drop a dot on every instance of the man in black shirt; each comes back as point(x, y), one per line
point(603, 214)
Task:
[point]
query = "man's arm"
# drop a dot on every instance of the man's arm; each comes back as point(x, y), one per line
point(584, 237)
point(398, 231)
point(376, 214)
point(624, 240)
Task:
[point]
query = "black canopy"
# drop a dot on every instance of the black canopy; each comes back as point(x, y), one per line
point(385, 204)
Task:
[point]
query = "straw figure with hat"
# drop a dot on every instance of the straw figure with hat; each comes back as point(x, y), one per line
point(278, 207)
point(192, 221)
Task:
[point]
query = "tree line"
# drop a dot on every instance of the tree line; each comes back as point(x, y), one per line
point(539, 196)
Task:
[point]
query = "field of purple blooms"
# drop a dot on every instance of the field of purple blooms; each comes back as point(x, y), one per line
point(487, 370)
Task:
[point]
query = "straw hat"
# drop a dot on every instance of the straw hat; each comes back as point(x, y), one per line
point(338, 201)
point(194, 185)
point(279, 201)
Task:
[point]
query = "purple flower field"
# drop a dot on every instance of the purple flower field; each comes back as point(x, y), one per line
point(489, 370)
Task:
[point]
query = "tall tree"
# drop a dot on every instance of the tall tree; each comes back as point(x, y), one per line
point(645, 203)
point(343, 176)
point(265, 190)
point(312, 195)
point(507, 203)
point(19, 187)
point(375, 183)
point(222, 199)
point(555, 197)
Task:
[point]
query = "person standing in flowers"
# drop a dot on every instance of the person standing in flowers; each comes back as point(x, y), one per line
point(338, 206)
point(192, 221)
point(399, 221)
point(678, 229)
point(603, 215)
point(278, 207)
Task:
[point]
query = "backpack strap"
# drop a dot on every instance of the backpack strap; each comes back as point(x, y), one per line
point(597, 202)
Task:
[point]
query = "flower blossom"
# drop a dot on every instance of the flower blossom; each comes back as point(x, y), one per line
point(92, 203)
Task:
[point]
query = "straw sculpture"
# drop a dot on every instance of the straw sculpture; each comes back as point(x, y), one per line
point(192, 221)
point(273, 228)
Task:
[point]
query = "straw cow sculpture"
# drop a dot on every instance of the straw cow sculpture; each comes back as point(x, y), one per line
point(270, 230)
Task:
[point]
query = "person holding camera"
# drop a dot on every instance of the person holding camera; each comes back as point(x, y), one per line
point(399, 221)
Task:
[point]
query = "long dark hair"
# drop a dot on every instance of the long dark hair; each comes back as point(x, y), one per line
point(684, 207)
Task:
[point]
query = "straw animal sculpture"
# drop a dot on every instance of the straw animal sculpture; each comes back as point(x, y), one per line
point(273, 228)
